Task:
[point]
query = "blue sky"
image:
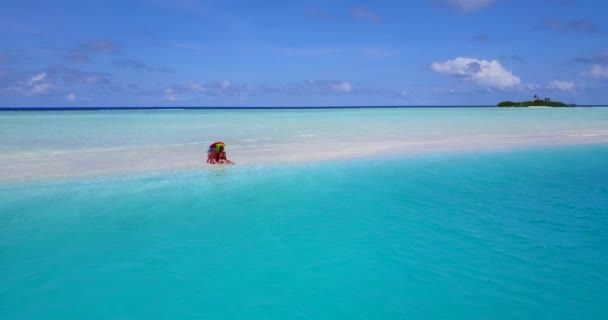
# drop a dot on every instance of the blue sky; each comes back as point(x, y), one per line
point(301, 53)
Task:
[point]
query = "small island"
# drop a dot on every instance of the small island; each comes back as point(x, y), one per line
point(537, 102)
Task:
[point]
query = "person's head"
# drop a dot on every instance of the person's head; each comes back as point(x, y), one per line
point(221, 149)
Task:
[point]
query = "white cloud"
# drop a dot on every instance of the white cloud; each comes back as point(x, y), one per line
point(71, 97)
point(39, 85)
point(482, 72)
point(344, 87)
point(561, 85)
point(37, 78)
point(170, 95)
point(470, 5)
point(198, 87)
point(598, 72)
point(225, 84)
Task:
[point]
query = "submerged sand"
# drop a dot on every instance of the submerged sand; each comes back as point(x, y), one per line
point(259, 139)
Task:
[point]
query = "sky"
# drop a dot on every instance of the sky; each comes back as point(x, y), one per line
point(83, 53)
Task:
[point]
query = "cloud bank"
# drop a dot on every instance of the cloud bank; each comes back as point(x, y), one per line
point(562, 85)
point(39, 84)
point(481, 72)
point(227, 89)
point(598, 72)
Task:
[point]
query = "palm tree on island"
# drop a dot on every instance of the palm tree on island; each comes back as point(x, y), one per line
point(537, 102)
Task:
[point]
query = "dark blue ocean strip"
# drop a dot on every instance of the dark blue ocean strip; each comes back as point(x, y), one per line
point(241, 108)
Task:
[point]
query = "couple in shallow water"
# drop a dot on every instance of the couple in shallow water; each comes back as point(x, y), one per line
point(216, 154)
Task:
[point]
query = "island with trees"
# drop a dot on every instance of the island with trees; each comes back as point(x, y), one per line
point(537, 102)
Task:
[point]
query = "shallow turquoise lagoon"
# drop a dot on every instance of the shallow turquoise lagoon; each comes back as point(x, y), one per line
point(36, 145)
point(509, 235)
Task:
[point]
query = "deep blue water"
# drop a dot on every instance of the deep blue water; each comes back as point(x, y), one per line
point(512, 235)
point(126, 108)
point(220, 108)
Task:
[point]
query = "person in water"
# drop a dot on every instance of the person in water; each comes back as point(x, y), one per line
point(212, 156)
point(221, 157)
point(217, 155)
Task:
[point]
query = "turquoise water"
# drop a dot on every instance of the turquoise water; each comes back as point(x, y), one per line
point(83, 130)
point(509, 235)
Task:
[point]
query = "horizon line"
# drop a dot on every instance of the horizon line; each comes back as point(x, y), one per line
point(251, 107)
